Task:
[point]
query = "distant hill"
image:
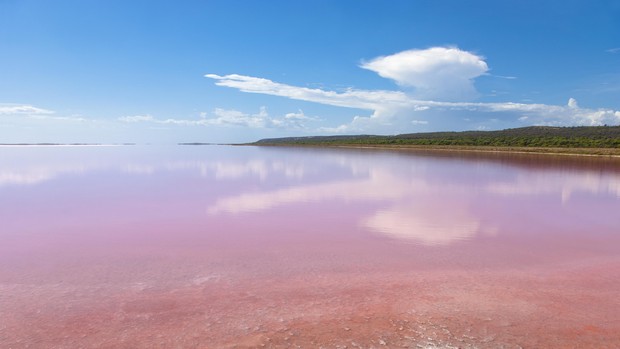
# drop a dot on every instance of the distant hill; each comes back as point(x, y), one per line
point(533, 136)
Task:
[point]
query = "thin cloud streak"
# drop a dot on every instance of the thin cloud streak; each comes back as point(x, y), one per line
point(385, 104)
point(231, 117)
point(351, 98)
point(30, 112)
point(22, 109)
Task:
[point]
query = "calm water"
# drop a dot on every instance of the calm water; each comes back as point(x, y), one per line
point(243, 247)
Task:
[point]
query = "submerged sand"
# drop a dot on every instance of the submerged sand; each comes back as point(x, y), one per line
point(315, 299)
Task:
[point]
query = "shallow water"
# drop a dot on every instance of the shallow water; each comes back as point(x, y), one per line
point(242, 247)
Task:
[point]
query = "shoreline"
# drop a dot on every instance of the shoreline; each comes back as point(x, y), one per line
point(590, 152)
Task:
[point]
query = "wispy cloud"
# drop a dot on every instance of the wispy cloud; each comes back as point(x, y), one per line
point(441, 79)
point(35, 113)
point(231, 117)
point(386, 104)
point(613, 50)
point(360, 99)
point(131, 119)
point(136, 118)
point(22, 109)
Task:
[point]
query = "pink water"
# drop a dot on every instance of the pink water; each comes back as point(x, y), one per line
point(242, 247)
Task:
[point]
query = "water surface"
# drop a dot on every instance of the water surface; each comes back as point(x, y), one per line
point(242, 247)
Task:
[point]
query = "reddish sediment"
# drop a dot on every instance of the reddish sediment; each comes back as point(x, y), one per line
point(289, 298)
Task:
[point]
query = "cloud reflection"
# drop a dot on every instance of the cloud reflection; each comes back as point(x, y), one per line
point(426, 224)
point(416, 204)
point(417, 210)
point(355, 190)
point(562, 184)
point(236, 169)
point(35, 165)
point(37, 174)
point(426, 200)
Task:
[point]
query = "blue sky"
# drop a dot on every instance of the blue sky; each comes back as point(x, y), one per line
point(234, 71)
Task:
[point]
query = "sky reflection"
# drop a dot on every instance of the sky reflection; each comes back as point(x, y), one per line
point(431, 200)
point(188, 237)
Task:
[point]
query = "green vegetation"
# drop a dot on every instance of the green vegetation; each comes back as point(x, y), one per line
point(586, 140)
point(525, 137)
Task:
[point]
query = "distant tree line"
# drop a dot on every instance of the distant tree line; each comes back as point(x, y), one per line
point(534, 136)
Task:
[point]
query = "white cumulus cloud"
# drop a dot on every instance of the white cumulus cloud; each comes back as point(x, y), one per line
point(298, 116)
point(572, 103)
point(438, 73)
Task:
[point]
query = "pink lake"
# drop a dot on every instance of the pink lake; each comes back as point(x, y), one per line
point(247, 247)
